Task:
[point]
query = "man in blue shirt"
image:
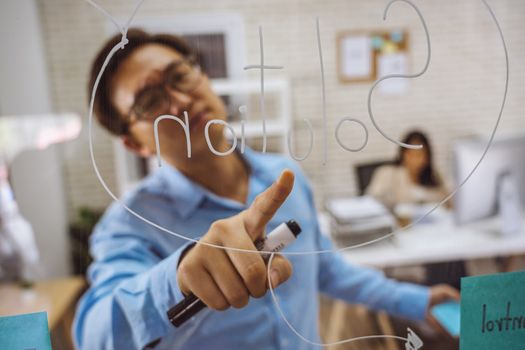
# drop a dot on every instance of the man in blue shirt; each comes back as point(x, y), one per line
point(139, 272)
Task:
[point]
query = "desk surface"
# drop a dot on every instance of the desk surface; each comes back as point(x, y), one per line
point(54, 297)
point(440, 242)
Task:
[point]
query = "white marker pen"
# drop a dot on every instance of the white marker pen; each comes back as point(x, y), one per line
point(279, 238)
point(275, 241)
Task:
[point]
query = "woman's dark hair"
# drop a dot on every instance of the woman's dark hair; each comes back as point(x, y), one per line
point(103, 108)
point(427, 176)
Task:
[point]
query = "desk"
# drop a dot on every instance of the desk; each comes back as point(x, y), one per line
point(57, 297)
point(440, 241)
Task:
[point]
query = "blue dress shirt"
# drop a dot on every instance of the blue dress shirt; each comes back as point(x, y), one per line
point(134, 274)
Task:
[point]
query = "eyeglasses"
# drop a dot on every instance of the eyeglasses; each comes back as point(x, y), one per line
point(183, 76)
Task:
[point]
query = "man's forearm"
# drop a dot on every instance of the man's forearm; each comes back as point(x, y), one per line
point(128, 312)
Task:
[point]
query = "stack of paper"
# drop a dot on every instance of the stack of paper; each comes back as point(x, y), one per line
point(359, 219)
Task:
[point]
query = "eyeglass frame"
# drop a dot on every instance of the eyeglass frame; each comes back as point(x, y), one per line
point(164, 85)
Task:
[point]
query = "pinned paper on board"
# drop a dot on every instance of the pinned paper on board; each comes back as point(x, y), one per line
point(364, 56)
point(27, 331)
point(388, 64)
point(356, 57)
point(493, 311)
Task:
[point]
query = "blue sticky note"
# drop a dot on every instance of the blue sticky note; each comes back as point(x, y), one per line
point(493, 312)
point(377, 42)
point(25, 332)
point(396, 36)
point(448, 315)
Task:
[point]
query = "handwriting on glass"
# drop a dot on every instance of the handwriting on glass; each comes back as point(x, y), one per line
point(184, 123)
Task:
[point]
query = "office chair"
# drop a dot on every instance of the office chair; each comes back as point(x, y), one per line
point(365, 172)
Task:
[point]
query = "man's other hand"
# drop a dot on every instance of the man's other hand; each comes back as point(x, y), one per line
point(439, 294)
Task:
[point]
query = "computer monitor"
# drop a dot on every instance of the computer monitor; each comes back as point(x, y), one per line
point(477, 198)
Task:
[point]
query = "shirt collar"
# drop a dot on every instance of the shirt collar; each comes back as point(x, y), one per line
point(258, 165)
point(187, 195)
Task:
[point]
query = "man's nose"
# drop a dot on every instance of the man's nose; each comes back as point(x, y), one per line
point(179, 103)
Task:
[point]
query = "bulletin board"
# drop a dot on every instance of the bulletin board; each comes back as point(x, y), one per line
point(363, 55)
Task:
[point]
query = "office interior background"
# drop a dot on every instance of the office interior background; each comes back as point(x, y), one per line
point(48, 46)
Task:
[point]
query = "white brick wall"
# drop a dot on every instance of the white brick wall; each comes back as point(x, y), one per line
point(459, 95)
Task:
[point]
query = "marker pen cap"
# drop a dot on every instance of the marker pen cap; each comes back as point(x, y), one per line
point(294, 227)
point(281, 236)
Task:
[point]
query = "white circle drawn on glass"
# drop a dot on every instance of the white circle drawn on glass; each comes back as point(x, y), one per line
point(123, 42)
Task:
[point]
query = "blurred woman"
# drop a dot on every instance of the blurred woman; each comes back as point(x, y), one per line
point(411, 179)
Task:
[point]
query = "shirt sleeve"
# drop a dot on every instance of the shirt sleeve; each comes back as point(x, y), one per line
point(359, 285)
point(132, 287)
point(356, 284)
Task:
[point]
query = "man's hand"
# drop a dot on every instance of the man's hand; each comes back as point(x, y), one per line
point(439, 294)
point(223, 278)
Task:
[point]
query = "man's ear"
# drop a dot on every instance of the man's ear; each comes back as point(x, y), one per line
point(132, 145)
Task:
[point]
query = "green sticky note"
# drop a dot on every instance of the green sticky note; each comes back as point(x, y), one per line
point(493, 312)
point(25, 332)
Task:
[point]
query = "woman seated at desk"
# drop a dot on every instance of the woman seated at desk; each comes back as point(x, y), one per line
point(411, 179)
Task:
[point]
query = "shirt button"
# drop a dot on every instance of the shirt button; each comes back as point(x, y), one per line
point(285, 343)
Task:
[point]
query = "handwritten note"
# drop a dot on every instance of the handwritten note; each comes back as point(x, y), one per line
point(493, 311)
point(25, 332)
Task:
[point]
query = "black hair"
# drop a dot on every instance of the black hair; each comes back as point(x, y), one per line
point(104, 109)
point(427, 176)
